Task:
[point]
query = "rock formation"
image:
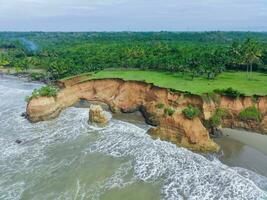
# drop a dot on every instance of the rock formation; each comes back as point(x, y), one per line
point(152, 101)
point(97, 115)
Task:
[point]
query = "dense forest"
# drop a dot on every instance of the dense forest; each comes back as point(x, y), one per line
point(205, 54)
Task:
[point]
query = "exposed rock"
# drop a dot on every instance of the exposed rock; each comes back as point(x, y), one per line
point(97, 115)
point(263, 125)
point(208, 109)
point(43, 108)
point(216, 132)
point(18, 141)
point(129, 96)
point(235, 106)
point(24, 114)
point(171, 135)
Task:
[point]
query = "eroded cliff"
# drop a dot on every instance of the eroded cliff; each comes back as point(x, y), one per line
point(129, 96)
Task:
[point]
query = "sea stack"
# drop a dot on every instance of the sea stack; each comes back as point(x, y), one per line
point(97, 115)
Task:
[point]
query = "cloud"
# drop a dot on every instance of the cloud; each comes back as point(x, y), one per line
point(133, 14)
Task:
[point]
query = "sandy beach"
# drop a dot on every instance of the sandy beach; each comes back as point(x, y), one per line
point(244, 149)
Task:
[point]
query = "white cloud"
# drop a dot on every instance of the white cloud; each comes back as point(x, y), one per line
point(135, 14)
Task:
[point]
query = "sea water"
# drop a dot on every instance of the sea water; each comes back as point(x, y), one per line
point(66, 158)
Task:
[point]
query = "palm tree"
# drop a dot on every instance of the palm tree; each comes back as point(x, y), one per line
point(193, 63)
point(252, 54)
point(235, 51)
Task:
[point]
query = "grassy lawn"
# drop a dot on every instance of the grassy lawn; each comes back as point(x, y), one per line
point(236, 80)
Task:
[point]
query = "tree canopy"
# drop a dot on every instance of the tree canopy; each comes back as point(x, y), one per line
point(204, 54)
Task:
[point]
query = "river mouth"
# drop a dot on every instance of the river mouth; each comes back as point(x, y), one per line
point(66, 158)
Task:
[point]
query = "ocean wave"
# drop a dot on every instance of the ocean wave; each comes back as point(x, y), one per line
point(51, 151)
point(184, 174)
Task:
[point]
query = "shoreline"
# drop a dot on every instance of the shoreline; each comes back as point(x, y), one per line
point(257, 141)
point(253, 139)
point(230, 134)
point(23, 75)
point(235, 151)
point(240, 148)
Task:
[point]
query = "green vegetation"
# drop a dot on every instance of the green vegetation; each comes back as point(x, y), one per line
point(48, 90)
point(230, 92)
point(191, 112)
point(211, 96)
point(216, 119)
point(204, 54)
point(251, 53)
point(255, 98)
point(35, 76)
point(236, 80)
point(169, 111)
point(189, 61)
point(160, 105)
point(250, 113)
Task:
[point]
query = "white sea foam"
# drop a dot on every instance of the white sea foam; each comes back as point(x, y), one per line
point(25, 168)
point(29, 156)
point(184, 174)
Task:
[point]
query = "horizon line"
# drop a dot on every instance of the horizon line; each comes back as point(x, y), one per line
point(132, 31)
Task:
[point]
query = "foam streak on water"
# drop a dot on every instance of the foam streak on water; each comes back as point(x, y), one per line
point(184, 174)
point(68, 159)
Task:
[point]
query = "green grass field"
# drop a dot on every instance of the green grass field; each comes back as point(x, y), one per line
point(237, 80)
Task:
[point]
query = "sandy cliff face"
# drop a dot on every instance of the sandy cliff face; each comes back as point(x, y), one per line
point(235, 106)
point(97, 115)
point(129, 96)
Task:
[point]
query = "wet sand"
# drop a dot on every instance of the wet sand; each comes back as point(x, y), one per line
point(255, 140)
point(244, 149)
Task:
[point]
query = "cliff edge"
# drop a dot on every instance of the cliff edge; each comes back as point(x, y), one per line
point(153, 101)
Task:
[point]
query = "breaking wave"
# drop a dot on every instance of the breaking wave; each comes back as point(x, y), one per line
point(184, 174)
point(68, 159)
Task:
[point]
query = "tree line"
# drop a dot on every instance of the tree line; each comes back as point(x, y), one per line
point(191, 54)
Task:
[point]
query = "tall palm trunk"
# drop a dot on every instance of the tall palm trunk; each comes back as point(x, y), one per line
point(251, 70)
point(247, 71)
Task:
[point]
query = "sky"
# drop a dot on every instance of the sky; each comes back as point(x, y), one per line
point(133, 15)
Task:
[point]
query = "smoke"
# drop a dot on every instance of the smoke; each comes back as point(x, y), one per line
point(30, 45)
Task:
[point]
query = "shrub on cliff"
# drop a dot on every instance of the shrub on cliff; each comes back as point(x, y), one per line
point(160, 105)
point(256, 98)
point(250, 113)
point(35, 76)
point(229, 92)
point(216, 119)
point(48, 90)
point(169, 111)
point(191, 112)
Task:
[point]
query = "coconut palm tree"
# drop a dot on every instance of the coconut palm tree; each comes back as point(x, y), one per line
point(235, 54)
point(252, 54)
